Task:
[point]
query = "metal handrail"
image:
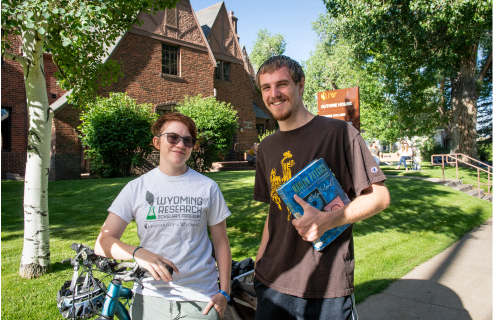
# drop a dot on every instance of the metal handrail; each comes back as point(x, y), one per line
point(455, 156)
point(238, 144)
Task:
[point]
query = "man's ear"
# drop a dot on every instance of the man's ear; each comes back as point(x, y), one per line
point(156, 142)
point(302, 86)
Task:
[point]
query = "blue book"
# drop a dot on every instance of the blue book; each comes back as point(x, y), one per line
point(316, 185)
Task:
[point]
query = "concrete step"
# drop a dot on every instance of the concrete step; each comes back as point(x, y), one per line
point(463, 187)
point(453, 183)
point(474, 193)
point(487, 197)
point(14, 176)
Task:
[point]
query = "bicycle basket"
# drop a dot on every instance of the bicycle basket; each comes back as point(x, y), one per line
point(86, 302)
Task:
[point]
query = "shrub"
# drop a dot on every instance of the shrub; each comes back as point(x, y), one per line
point(484, 150)
point(117, 132)
point(216, 124)
point(430, 147)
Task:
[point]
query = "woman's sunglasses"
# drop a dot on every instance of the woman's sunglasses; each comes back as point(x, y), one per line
point(174, 138)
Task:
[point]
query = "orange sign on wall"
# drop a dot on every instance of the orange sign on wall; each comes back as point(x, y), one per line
point(340, 104)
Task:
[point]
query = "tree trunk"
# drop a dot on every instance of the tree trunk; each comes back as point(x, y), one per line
point(35, 259)
point(464, 107)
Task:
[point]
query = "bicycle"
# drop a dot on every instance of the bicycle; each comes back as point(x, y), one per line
point(86, 296)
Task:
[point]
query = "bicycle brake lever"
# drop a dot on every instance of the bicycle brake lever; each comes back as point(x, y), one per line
point(139, 281)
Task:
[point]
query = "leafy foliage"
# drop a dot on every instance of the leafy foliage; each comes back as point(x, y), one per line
point(420, 44)
point(117, 132)
point(266, 46)
point(484, 150)
point(216, 124)
point(79, 34)
point(429, 147)
point(485, 99)
point(384, 109)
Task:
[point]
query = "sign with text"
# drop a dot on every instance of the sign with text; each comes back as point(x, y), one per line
point(340, 104)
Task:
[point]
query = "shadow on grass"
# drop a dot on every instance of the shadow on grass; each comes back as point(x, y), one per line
point(424, 206)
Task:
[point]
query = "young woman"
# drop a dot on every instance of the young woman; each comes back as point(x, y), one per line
point(406, 153)
point(375, 152)
point(172, 206)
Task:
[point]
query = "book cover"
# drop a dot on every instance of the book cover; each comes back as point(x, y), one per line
point(316, 185)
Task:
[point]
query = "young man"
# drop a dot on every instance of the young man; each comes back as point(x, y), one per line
point(293, 281)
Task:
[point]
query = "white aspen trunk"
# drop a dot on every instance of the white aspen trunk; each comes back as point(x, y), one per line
point(35, 259)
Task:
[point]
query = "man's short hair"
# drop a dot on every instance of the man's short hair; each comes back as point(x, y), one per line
point(160, 123)
point(277, 62)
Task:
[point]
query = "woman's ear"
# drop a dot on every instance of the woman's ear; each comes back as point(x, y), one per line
point(156, 142)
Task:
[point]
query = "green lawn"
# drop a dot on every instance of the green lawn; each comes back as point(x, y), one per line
point(468, 176)
point(423, 219)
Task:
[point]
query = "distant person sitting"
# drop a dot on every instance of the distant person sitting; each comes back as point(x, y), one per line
point(375, 152)
point(252, 155)
point(406, 153)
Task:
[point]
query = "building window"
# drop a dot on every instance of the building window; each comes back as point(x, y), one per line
point(260, 128)
point(171, 18)
point(6, 129)
point(222, 71)
point(171, 56)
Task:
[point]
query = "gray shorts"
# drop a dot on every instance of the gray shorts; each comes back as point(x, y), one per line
point(155, 308)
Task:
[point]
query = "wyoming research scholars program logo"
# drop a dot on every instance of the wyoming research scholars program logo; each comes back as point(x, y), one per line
point(151, 215)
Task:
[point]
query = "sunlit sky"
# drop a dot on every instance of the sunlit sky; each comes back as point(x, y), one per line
point(291, 18)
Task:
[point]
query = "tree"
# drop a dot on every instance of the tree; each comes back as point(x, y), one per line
point(484, 87)
point(266, 46)
point(78, 34)
point(118, 134)
point(216, 124)
point(384, 108)
point(427, 42)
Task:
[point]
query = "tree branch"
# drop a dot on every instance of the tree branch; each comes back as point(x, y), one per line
point(22, 60)
point(485, 68)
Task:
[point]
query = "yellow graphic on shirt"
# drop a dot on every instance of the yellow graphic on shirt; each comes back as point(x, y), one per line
point(276, 181)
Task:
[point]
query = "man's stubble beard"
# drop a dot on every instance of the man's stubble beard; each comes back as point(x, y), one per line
point(283, 117)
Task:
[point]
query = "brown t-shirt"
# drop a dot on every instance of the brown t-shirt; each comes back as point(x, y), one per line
point(289, 264)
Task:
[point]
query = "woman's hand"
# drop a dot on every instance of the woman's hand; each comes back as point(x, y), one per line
point(155, 264)
point(219, 301)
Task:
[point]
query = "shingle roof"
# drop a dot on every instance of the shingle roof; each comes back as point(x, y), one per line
point(208, 16)
point(259, 113)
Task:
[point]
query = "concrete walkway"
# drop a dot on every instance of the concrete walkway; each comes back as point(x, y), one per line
point(454, 285)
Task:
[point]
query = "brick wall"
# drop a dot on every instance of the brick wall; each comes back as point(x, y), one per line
point(271, 123)
point(54, 91)
point(66, 155)
point(14, 97)
point(238, 92)
point(142, 64)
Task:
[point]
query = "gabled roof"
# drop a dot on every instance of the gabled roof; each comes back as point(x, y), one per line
point(208, 16)
point(259, 113)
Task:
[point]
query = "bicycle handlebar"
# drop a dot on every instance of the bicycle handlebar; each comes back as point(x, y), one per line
point(110, 266)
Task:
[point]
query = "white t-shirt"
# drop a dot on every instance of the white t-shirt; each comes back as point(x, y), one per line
point(408, 153)
point(172, 214)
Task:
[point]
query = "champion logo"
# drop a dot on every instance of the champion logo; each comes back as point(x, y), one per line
point(374, 169)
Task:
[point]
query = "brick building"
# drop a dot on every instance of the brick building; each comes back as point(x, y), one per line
point(175, 53)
